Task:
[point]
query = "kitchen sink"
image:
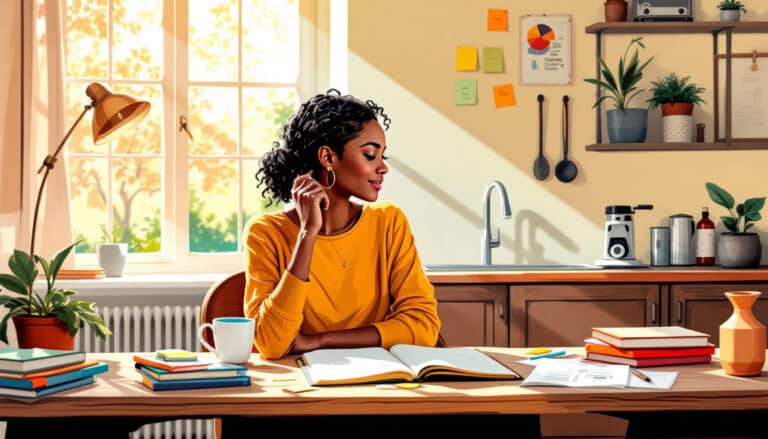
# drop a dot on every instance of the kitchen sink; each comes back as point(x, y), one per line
point(508, 267)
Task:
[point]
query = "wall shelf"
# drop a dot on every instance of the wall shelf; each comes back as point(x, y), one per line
point(718, 146)
point(678, 27)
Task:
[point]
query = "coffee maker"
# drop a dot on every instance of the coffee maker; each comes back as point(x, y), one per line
point(619, 245)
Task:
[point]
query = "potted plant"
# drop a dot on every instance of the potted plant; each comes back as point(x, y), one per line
point(676, 97)
point(48, 320)
point(625, 125)
point(615, 10)
point(737, 248)
point(112, 252)
point(730, 10)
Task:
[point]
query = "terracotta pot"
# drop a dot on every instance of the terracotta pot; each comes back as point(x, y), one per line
point(677, 108)
point(615, 10)
point(742, 337)
point(43, 332)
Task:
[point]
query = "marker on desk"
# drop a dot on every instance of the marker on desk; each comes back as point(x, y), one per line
point(547, 355)
point(640, 375)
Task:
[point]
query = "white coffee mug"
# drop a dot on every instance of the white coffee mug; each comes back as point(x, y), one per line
point(233, 337)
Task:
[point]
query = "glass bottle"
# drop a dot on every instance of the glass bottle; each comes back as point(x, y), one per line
point(705, 239)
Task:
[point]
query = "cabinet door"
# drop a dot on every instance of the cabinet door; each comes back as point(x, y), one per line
point(563, 315)
point(703, 307)
point(473, 315)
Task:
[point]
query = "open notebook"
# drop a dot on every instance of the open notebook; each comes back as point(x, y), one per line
point(324, 367)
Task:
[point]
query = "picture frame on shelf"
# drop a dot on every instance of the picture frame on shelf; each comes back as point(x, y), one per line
point(545, 49)
point(749, 97)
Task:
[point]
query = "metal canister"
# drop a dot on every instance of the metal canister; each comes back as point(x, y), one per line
point(660, 246)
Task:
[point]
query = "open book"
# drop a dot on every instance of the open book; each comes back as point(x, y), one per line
point(324, 367)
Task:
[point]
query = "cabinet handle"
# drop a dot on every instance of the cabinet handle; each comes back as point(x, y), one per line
point(501, 312)
point(653, 312)
point(679, 311)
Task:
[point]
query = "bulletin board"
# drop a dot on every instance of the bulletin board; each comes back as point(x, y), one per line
point(749, 97)
point(545, 49)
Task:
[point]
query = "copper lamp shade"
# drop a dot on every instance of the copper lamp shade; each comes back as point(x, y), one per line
point(113, 111)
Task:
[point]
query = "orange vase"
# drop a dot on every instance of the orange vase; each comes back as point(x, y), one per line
point(742, 337)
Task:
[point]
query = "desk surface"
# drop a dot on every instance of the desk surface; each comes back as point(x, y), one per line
point(275, 384)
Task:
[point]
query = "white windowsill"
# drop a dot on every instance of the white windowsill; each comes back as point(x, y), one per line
point(136, 281)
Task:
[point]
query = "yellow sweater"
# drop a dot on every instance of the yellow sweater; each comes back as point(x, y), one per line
point(382, 285)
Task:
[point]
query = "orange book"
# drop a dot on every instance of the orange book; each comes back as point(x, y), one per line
point(48, 372)
point(596, 346)
point(651, 337)
point(151, 359)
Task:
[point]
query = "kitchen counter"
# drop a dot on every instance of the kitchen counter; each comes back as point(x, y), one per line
point(650, 275)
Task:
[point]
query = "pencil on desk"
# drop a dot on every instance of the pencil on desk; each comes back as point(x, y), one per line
point(640, 375)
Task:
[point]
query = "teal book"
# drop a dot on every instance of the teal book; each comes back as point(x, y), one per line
point(216, 370)
point(204, 383)
point(53, 380)
point(43, 391)
point(29, 360)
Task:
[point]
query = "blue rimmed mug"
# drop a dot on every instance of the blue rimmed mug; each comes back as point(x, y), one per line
point(233, 337)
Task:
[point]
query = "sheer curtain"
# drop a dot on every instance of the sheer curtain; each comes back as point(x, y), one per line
point(44, 120)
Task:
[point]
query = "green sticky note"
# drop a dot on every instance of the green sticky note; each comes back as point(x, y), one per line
point(466, 92)
point(493, 59)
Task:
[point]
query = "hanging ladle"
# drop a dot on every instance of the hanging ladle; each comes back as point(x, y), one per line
point(566, 170)
point(541, 165)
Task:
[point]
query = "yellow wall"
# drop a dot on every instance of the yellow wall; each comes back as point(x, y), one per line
point(10, 114)
point(402, 56)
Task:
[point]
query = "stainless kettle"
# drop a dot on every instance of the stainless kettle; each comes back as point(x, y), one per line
point(681, 228)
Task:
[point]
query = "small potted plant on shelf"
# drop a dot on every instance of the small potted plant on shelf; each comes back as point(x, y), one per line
point(112, 252)
point(625, 125)
point(615, 10)
point(730, 10)
point(738, 248)
point(676, 97)
point(48, 320)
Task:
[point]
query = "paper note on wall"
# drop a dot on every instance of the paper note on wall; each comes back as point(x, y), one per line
point(504, 95)
point(466, 92)
point(466, 59)
point(497, 20)
point(493, 59)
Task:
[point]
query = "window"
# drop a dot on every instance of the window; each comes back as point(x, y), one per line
point(231, 70)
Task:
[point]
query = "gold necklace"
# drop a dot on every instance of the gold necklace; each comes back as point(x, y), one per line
point(343, 259)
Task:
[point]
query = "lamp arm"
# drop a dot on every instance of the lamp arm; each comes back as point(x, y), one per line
point(47, 166)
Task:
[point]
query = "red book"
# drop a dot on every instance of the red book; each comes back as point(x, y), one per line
point(598, 347)
point(647, 362)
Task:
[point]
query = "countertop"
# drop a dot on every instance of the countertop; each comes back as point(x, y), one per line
point(648, 275)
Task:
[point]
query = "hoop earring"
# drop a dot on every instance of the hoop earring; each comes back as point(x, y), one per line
point(331, 177)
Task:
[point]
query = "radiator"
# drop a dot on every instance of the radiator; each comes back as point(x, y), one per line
point(147, 329)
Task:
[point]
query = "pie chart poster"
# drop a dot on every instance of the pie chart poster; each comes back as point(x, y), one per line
point(545, 53)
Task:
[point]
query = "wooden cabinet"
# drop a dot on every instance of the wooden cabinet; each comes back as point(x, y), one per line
point(563, 315)
point(473, 314)
point(703, 307)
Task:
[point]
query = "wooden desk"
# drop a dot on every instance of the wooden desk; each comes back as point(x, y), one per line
point(273, 392)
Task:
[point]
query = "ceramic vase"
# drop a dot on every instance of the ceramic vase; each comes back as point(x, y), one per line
point(677, 129)
point(742, 337)
point(112, 258)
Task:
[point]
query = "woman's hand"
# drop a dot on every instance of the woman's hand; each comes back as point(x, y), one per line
point(305, 343)
point(310, 199)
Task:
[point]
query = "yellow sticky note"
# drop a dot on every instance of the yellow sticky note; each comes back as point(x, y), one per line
point(493, 59)
point(497, 20)
point(504, 95)
point(466, 59)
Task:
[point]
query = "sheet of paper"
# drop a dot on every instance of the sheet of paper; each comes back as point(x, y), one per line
point(504, 95)
point(497, 20)
point(466, 59)
point(466, 92)
point(577, 373)
point(493, 59)
point(659, 380)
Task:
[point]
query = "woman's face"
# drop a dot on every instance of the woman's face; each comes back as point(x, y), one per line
point(361, 170)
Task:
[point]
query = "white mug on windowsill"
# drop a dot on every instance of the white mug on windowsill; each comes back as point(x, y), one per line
point(233, 337)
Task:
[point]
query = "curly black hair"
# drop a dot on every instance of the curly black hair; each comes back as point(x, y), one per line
point(325, 119)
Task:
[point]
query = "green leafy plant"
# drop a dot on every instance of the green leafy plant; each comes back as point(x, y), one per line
point(54, 303)
point(113, 237)
point(674, 89)
point(622, 86)
point(731, 5)
point(748, 210)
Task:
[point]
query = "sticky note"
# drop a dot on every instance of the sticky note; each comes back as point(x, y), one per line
point(497, 20)
point(466, 92)
point(466, 59)
point(493, 59)
point(504, 95)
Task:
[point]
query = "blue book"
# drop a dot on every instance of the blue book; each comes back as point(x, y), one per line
point(54, 380)
point(205, 383)
point(28, 360)
point(216, 370)
point(43, 391)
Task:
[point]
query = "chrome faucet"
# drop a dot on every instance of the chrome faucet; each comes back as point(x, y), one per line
point(488, 241)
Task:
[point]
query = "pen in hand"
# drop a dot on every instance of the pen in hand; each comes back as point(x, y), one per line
point(640, 375)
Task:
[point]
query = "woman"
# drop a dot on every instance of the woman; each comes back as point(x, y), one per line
point(330, 272)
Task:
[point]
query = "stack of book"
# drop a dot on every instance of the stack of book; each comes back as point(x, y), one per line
point(649, 346)
point(166, 373)
point(36, 372)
